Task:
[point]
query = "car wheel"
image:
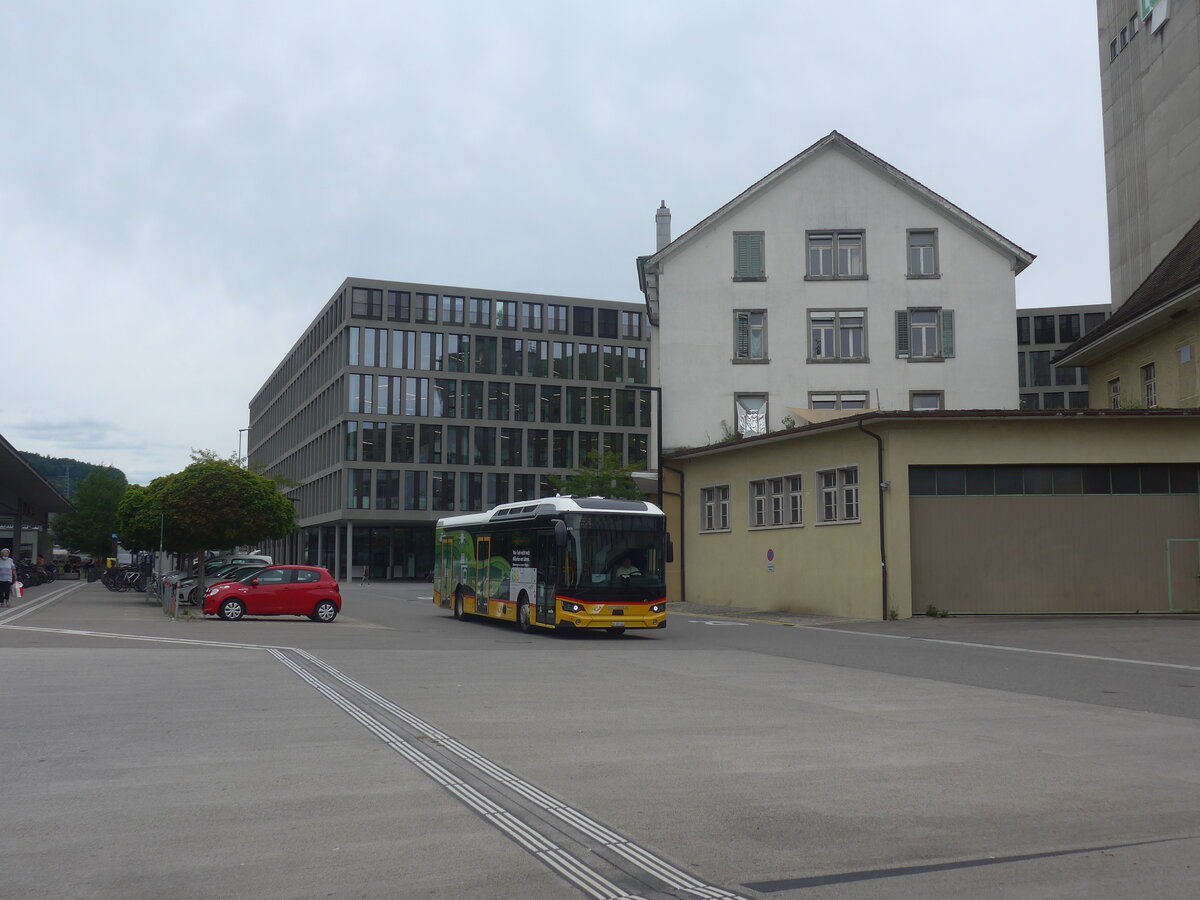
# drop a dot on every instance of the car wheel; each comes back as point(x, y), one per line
point(231, 610)
point(325, 612)
point(523, 615)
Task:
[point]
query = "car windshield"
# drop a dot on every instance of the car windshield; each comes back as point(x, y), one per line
point(614, 551)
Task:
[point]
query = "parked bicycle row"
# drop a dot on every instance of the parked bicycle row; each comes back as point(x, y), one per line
point(30, 575)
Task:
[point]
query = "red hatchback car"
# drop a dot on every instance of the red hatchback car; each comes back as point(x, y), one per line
point(277, 591)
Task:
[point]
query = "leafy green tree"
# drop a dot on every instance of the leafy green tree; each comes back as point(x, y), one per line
point(601, 476)
point(90, 528)
point(212, 503)
point(139, 520)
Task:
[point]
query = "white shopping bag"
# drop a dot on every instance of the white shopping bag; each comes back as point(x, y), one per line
point(19, 589)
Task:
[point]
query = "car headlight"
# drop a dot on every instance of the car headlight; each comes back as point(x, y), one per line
point(211, 591)
point(572, 607)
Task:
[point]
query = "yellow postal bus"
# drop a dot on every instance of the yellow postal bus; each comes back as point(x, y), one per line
point(558, 562)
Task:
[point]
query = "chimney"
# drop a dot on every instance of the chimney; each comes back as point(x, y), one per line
point(662, 225)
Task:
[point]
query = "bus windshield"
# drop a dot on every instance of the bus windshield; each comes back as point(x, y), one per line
point(614, 551)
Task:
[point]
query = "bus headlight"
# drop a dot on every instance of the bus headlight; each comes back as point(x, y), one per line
point(656, 608)
point(572, 607)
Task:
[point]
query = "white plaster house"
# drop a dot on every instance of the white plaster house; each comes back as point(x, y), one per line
point(835, 282)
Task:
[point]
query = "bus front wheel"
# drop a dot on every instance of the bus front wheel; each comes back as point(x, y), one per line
point(458, 605)
point(523, 615)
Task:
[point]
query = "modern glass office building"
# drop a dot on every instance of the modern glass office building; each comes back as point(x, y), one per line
point(403, 403)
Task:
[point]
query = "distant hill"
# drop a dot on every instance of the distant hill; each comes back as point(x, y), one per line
point(65, 474)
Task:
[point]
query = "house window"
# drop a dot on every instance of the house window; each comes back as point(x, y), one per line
point(631, 325)
point(838, 400)
point(427, 305)
point(924, 333)
point(366, 303)
point(922, 254)
point(835, 254)
point(1043, 329)
point(839, 494)
point(776, 501)
point(452, 310)
point(506, 313)
point(1039, 364)
point(1068, 327)
point(583, 321)
point(926, 400)
point(748, 264)
point(837, 335)
point(1023, 329)
point(556, 318)
point(399, 306)
point(1149, 387)
point(714, 508)
point(1114, 394)
point(751, 414)
point(606, 323)
point(531, 316)
point(750, 335)
point(481, 312)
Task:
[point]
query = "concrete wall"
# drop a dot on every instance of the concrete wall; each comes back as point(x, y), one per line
point(1151, 103)
point(693, 346)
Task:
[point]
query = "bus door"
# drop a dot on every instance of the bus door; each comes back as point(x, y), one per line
point(483, 574)
point(545, 554)
point(446, 572)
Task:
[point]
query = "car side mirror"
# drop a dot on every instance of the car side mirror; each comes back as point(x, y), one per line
point(253, 582)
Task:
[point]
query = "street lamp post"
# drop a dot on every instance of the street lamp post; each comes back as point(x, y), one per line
point(241, 431)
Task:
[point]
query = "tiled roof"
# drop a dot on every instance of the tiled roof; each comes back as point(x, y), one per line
point(1178, 272)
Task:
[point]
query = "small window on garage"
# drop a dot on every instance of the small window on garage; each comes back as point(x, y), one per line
point(1183, 480)
point(921, 481)
point(1125, 480)
point(1154, 480)
point(1096, 480)
point(1039, 480)
point(1009, 480)
point(1068, 480)
point(951, 482)
point(981, 481)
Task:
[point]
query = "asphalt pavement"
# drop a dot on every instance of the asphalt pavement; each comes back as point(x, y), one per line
point(400, 753)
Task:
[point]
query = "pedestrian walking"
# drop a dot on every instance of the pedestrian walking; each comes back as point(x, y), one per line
point(8, 574)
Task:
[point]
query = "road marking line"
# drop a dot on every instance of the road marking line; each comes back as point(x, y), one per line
point(587, 879)
point(1063, 653)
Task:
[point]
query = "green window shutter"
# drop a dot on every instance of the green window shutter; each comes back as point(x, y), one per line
point(741, 335)
point(902, 334)
point(747, 255)
point(947, 333)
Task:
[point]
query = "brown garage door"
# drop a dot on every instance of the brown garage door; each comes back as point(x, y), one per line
point(1055, 552)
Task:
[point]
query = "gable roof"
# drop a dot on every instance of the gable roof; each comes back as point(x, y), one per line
point(1155, 301)
point(1021, 257)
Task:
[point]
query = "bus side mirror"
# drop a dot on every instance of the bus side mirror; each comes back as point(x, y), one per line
point(560, 533)
point(670, 550)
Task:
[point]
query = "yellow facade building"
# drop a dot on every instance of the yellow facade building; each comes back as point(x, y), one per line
point(891, 514)
point(1145, 354)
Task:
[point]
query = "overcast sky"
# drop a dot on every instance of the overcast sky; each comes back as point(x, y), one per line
point(183, 186)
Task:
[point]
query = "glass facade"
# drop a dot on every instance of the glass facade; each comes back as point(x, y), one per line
point(403, 403)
